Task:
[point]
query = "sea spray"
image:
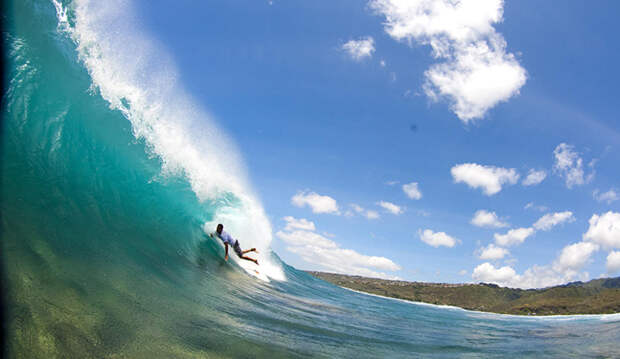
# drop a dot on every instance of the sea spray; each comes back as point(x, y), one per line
point(136, 76)
point(105, 257)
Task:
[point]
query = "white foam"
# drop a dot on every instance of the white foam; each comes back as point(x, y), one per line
point(136, 76)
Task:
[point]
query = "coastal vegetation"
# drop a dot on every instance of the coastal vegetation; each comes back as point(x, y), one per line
point(599, 296)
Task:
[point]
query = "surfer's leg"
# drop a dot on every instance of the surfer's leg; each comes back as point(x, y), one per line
point(250, 250)
point(241, 253)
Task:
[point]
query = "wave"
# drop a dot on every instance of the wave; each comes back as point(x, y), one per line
point(110, 176)
point(137, 77)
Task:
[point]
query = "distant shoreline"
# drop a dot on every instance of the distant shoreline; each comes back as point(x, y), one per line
point(453, 307)
point(596, 297)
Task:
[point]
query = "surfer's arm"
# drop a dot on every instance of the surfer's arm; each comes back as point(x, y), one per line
point(226, 246)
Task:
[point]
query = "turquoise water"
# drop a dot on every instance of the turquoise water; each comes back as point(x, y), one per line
point(110, 179)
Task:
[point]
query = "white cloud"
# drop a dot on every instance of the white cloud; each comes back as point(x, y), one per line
point(382, 63)
point(481, 76)
point(550, 220)
point(534, 177)
point(318, 203)
point(569, 165)
point(315, 249)
point(355, 263)
point(489, 178)
point(486, 272)
point(544, 223)
point(478, 73)
point(412, 190)
point(531, 205)
point(370, 214)
point(573, 257)
point(360, 49)
point(492, 252)
point(484, 218)
point(534, 277)
point(613, 262)
point(305, 238)
point(609, 196)
point(391, 207)
point(357, 208)
point(513, 237)
point(302, 223)
point(391, 183)
point(436, 239)
point(463, 272)
point(604, 230)
point(510, 261)
point(565, 268)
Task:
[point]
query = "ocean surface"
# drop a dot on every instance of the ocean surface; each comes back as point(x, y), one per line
point(111, 176)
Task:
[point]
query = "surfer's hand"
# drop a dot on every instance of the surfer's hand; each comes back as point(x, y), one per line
point(226, 257)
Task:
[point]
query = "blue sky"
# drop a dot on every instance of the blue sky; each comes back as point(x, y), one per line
point(335, 106)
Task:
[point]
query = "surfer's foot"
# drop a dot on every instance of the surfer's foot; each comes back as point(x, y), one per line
point(254, 250)
point(256, 261)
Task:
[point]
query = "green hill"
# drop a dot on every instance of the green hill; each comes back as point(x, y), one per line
point(599, 296)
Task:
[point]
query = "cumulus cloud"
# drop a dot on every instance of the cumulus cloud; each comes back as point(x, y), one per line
point(436, 239)
point(609, 196)
point(391, 207)
point(551, 220)
point(534, 277)
point(318, 203)
point(477, 73)
point(412, 190)
point(518, 236)
point(569, 165)
point(355, 263)
point(604, 230)
point(305, 238)
point(486, 272)
point(489, 178)
point(565, 268)
point(560, 272)
point(315, 249)
point(573, 257)
point(302, 223)
point(534, 177)
point(513, 237)
point(492, 252)
point(613, 262)
point(370, 214)
point(360, 49)
point(484, 218)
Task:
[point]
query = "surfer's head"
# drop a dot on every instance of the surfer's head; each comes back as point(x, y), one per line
point(219, 229)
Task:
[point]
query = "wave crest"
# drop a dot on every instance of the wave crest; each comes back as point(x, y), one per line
point(136, 76)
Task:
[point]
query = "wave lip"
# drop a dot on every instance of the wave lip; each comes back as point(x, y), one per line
point(136, 76)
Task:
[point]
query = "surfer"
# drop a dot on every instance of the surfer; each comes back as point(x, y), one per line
point(228, 240)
